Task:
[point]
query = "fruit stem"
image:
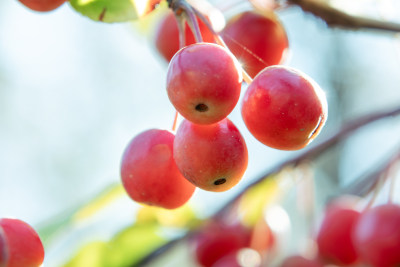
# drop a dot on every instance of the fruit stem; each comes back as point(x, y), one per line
point(181, 5)
point(220, 41)
point(392, 172)
point(175, 121)
point(181, 27)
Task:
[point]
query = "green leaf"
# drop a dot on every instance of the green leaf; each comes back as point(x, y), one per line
point(125, 249)
point(91, 254)
point(113, 10)
point(132, 244)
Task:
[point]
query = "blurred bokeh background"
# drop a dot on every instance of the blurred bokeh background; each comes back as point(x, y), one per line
point(73, 92)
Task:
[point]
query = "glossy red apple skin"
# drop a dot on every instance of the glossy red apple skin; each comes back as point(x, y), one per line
point(334, 239)
point(257, 40)
point(212, 157)
point(149, 173)
point(204, 82)
point(42, 5)
point(167, 36)
point(300, 261)
point(218, 240)
point(23, 244)
point(376, 236)
point(283, 108)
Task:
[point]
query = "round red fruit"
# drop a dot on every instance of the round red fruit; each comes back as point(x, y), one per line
point(167, 35)
point(300, 261)
point(257, 40)
point(242, 257)
point(283, 108)
point(212, 157)
point(334, 238)
point(376, 236)
point(149, 173)
point(22, 244)
point(218, 240)
point(42, 5)
point(204, 82)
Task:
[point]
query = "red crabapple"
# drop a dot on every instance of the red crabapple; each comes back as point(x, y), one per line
point(149, 173)
point(242, 257)
point(257, 40)
point(376, 236)
point(300, 261)
point(217, 240)
point(283, 108)
point(42, 5)
point(334, 238)
point(22, 244)
point(204, 82)
point(212, 157)
point(167, 35)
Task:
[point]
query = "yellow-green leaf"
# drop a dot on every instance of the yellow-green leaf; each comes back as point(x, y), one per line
point(132, 244)
point(91, 254)
point(114, 10)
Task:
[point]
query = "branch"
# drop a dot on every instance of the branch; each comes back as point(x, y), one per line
point(337, 18)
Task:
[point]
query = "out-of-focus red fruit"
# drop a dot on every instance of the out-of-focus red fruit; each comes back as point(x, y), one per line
point(149, 173)
point(243, 257)
point(3, 249)
point(217, 240)
point(262, 237)
point(204, 82)
point(283, 108)
point(212, 157)
point(300, 261)
point(22, 244)
point(257, 40)
point(376, 236)
point(42, 5)
point(167, 35)
point(334, 239)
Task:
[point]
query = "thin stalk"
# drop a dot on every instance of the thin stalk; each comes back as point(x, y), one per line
point(220, 41)
point(191, 19)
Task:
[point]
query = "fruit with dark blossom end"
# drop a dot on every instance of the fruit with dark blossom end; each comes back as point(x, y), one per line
point(212, 157)
point(204, 82)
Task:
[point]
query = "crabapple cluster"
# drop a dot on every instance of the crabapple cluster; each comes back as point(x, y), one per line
point(20, 245)
point(348, 237)
point(282, 108)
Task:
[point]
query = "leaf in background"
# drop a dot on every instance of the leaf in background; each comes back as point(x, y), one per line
point(147, 24)
point(182, 217)
point(98, 203)
point(114, 10)
point(91, 255)
point(125, 249)
point(132, 244)
point(47, 230)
